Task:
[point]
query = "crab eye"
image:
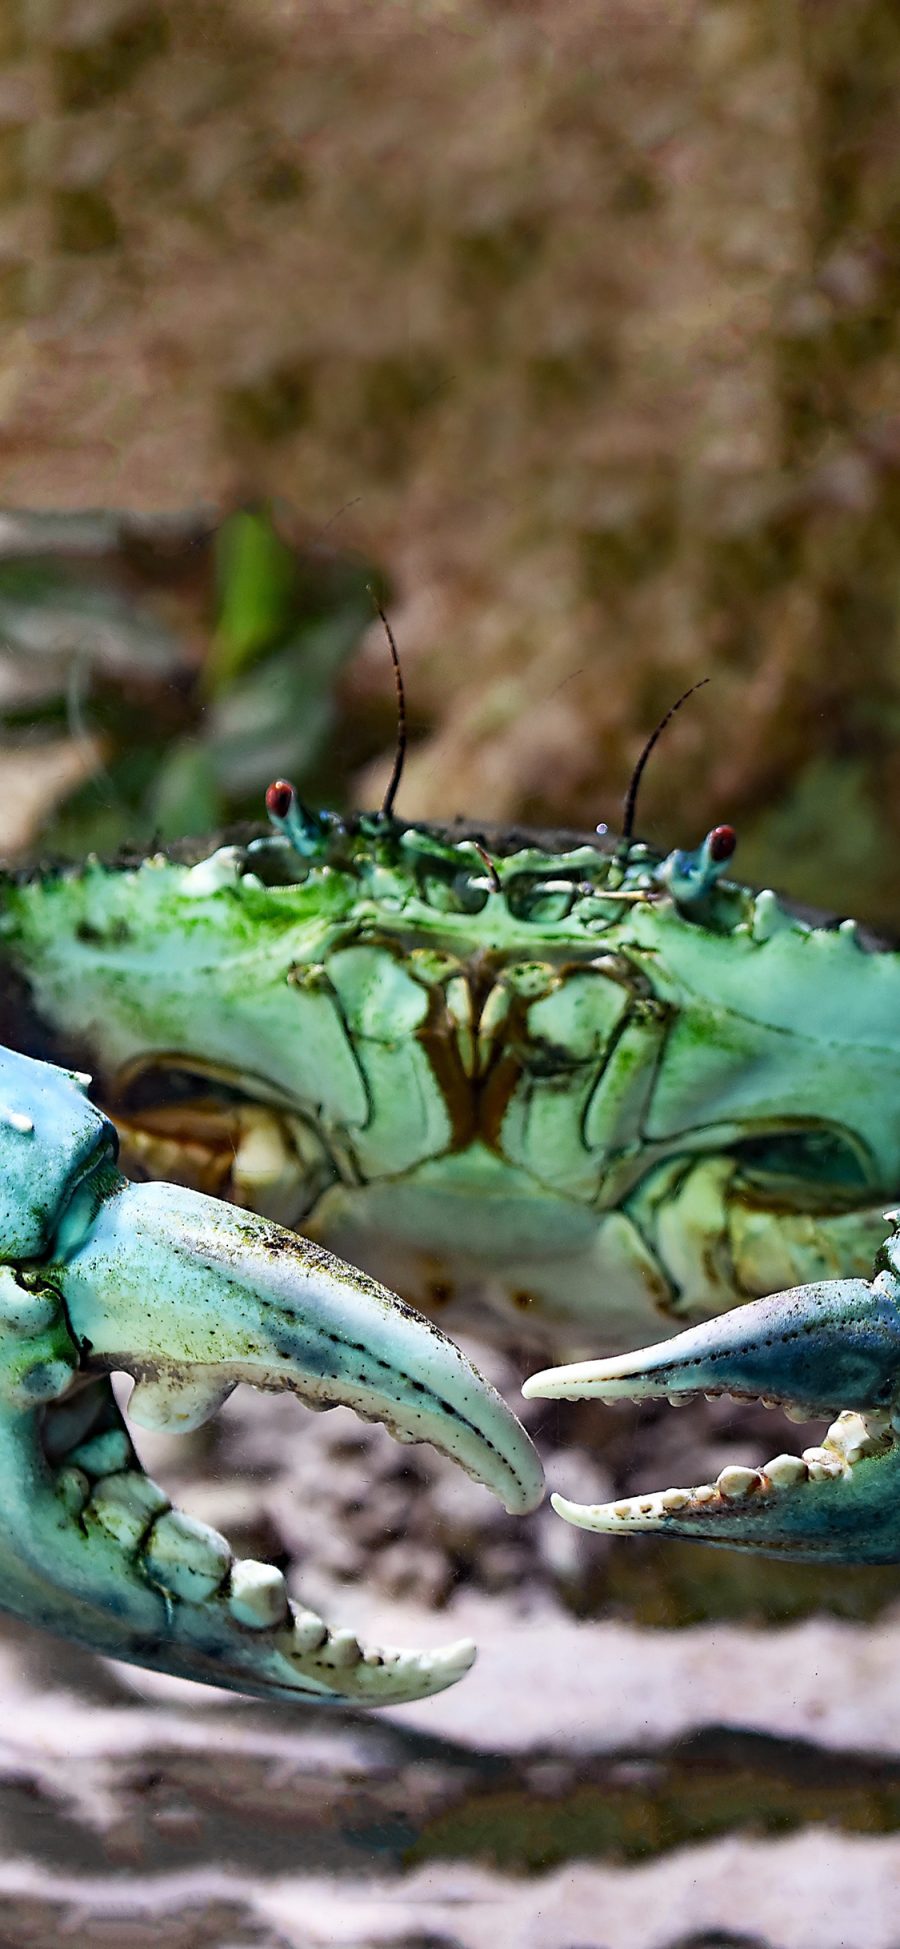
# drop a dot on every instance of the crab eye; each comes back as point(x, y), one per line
point(691, 877)
point(306, 831)
point(721, 842)
point(279, 798)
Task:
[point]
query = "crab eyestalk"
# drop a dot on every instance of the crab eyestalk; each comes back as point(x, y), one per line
point(830, 1348)
point(191, 1296)
point(306, 831)
point(691, 876)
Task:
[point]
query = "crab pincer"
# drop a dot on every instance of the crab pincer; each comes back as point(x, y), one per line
point(191, 1296)
point(829, 1348)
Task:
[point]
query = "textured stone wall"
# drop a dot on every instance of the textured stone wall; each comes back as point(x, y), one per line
point(582, 321)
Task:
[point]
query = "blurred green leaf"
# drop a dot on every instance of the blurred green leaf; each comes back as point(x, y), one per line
point(202, 660)
point(276, 721)
point(185, 796)
point(256, 593)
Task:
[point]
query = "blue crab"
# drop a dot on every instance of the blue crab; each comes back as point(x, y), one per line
point(582, 1084)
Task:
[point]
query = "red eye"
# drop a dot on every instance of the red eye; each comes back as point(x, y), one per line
point(279, 799)
point(722, 842)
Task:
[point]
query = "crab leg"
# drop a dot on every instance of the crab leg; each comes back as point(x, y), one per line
point(191, 1296)
point(829, 1348)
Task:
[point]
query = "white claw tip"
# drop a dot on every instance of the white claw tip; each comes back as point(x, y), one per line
point(456, 1659)
point(579, 1513)
point(560, 1383)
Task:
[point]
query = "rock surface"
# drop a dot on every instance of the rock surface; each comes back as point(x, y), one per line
point(593, 1785)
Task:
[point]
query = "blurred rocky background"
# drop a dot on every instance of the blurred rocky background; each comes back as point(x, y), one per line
point(573, 332)
point(580, 325)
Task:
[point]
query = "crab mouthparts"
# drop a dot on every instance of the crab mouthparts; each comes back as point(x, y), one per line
point(191, 1296)
point(807, 1351)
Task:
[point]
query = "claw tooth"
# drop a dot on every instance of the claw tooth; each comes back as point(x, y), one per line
point(821, 1464)
point(177, 1405)
point(107, 1454)
point(74, 1489)
point(784, 1470)
point(124, 1505)
point(852, 1436)
point(735, 1482)
point(707, 1492)
point(257, 1595)
point(796, 1414)
point(847, 1431)
point(307, 1630)
point(186, 1557)
point(674, 1499)
point(342, 1650)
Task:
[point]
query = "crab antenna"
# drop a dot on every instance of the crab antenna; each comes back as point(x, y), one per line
point(387, 803)
point(638, 773)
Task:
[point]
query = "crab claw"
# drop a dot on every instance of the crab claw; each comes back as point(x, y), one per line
point(828, 1348)
point(192, 1296)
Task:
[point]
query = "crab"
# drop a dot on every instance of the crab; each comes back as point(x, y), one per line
point(579, 1086)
